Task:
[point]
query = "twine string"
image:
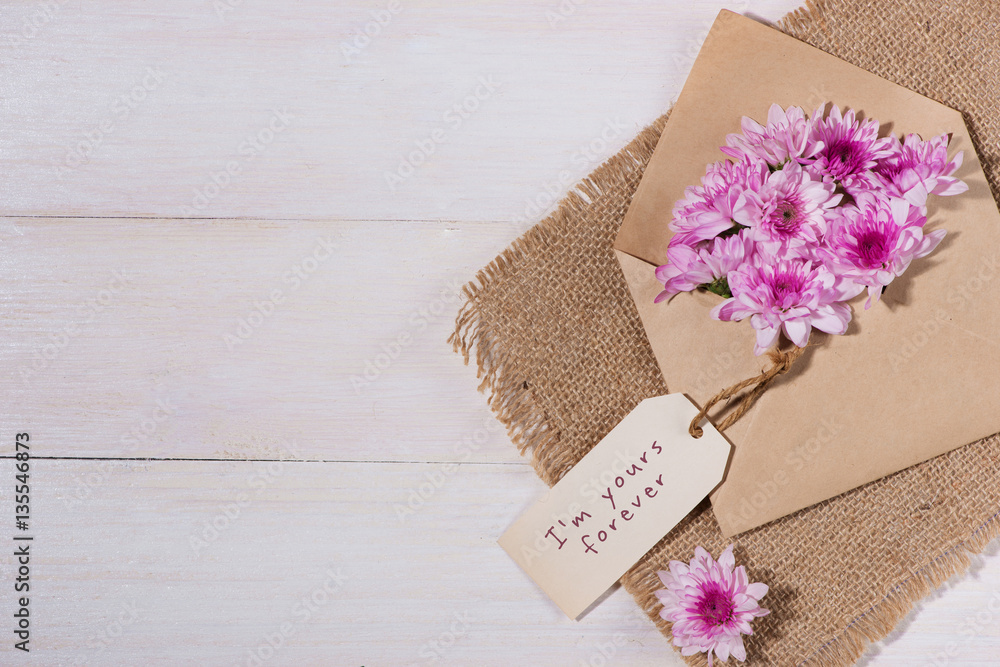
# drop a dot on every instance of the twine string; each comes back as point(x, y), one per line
point(780, 363)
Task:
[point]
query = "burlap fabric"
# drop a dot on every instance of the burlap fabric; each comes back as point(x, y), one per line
point(563, 356)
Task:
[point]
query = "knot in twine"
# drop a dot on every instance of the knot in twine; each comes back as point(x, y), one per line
point(780, 363)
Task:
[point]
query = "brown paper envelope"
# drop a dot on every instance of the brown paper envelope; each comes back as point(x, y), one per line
point(914, 377)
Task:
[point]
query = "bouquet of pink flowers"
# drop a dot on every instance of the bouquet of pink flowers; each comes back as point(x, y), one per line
point(810, 213)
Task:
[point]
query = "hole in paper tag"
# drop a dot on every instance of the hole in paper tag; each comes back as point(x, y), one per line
point(628, 492)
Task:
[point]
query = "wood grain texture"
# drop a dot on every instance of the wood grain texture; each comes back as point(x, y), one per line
point(209, 560)
point(560, 84)
point(224, 339)
point(409, 480)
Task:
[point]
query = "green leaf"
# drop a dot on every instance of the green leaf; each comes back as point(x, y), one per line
point(719, 286)
point(732, 231)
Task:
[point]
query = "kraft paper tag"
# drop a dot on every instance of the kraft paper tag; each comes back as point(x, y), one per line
point(628, 492)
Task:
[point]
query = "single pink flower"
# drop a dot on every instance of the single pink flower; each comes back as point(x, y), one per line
point(710, 604)
point(851, 149)
point(707, 210)
point(787, 212)
point(691, 267)
point(915, 169)
point(790, 295)
point(787, 136)
point(874, 242)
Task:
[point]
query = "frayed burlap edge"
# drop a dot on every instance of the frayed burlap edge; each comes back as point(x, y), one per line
point(515, 406)
point(848, 646)
point(509, 398)
point(876, 623)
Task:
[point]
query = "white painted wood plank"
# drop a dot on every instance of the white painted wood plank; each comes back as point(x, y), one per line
point(190, 353)
point(404, 582)
point(112, 536)
point(131, 108)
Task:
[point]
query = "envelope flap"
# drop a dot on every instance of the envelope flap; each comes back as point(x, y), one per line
point(744, 67)
point(915, 375)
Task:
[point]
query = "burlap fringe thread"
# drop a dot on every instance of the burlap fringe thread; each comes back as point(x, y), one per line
point(511, 401)
point(516, 409)
point(875, 624)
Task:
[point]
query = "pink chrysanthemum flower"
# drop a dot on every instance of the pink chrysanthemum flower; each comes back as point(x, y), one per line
point(915, 169)
point(786, 137)
point(707, 210)
point(710, 605)
point(689, 268)
point(787, 211)
point(851, 148)
point(791, 295)
point(773, 234)
point(874, 242)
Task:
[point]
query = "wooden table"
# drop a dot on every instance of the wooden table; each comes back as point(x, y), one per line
point(232, 241)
